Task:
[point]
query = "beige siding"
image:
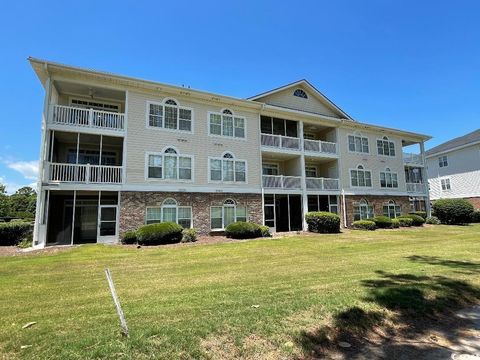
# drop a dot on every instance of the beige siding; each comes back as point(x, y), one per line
point(142, 139)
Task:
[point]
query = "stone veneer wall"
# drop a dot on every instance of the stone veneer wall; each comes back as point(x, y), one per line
point(377, 202)
point(475, 201)
point(134, 203)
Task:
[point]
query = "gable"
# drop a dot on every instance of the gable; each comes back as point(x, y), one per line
point(314, 103)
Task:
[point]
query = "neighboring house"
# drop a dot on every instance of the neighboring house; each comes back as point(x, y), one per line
point(454, 169)
point(119, 152)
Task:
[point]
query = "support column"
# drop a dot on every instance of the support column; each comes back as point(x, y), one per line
point(425, 179)
point(304, 179)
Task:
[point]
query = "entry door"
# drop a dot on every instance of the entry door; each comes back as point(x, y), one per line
point(107, 224)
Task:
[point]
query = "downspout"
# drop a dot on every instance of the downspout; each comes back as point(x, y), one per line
point(344, 209)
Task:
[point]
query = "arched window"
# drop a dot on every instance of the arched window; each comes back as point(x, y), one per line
point(385, 147)
point(228, 156)
point(169, 115)
point(362, 210)
point(358, 143)
point(300, 93)
point(360, 177)
point(229, 212)
point(169, 165)
point(227, 168)
point(226, 123)
point(170, 211)
point(170, 151)
point(391, 209)
point(388, 179)
point(227, 112)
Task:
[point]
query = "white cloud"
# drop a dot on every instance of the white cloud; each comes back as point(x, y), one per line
point(29, 169)
point(9, 186)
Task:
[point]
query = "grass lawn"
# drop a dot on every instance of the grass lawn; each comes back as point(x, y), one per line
point(196, 301)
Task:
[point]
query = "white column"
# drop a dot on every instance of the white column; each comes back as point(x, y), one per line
point(304, 180)
point(425, 179)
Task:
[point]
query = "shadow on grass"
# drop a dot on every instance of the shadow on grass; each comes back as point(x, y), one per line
point(461, 266)
point(415, 306)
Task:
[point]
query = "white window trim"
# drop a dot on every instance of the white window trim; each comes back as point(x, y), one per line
point(446, 160)
point(170, 206)
point(277, 165)
point(162, 153)
point(360, 135)
point(223, 206)
point(313, 167)
point(97, 100)
point(222, 158)
point(367, 205)
point(389, 141)
point(449, 184)
point(391, 173)
point(393, 204)
point(225, 136)
point(364, 169)
point(162, 103)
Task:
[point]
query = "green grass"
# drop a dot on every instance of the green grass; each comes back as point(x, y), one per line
point(196, 301)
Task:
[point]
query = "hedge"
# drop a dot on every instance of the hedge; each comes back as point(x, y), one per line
point(323, 222)
point(395, 223)
point(160, 233)
point(475, 216)
point(12, 233)
point(432, 220)
point(189, 235)
point(243, 230)
point(382, 222)
point(404, 221)
point(423, 214)
point(417, 220)
point(265, 230)
point(129, 237)
point(453, 211)
point(364, 225)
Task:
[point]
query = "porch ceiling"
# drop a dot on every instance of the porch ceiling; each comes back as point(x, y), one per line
point(88, 91)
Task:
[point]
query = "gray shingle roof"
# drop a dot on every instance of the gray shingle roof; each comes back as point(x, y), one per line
point(472, 137)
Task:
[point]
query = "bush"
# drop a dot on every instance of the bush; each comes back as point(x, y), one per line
point(395, 223)
point(160, 233)
point(423, 214)
point(323, 222)
point(265, 231)
point(12, 233)
point(243, 230)
point(364, 225)
point(417, 220)
point(453, 211)
point(189, 235)
point(432, 220)
point(475, 216)
point(404, 221)
point(382, 222)
point(129, 237)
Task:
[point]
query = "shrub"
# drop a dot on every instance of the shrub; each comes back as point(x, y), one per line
point(432, 220)
point(453, 211)
point(417, 220)
point(404, 221)
point(395, 223)
point(189, 235)
point(475, 216)
point(364, 225)
point(382, 222)
point(160, 233)
point(243, 230)
point(129, 237)
point(265, 231)
point(423, 214)
point(12, 233)
point(323, 222)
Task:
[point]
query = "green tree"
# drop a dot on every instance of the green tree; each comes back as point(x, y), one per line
point(5, 208)
point(23, 202)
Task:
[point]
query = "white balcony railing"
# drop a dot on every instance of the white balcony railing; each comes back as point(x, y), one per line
point(318, 146)
point(322, 183)
point(412, 159)
point(89, 118)
point(416, 188)
point(282, 182)
point(283, 142)
point(83, 173)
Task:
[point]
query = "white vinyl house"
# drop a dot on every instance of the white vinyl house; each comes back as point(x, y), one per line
point(118, 152)
point(454, 169)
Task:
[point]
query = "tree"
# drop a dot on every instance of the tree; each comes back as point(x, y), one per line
point(23, 202)
point(5, 208)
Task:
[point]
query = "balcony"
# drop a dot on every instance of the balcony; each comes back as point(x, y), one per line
point(416, 188)
point(322, 184)
point(87, 118)
point(320, 147)
point(83, 173)
point(410, 159)
point(282, 182)
point(281, 142)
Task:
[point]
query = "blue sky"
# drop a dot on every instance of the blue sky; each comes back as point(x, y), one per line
point(407, 64)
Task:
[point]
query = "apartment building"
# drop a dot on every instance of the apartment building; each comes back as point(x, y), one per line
point(454, 169)
point(119, 152)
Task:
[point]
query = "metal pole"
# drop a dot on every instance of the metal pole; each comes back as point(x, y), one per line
point(121, 315)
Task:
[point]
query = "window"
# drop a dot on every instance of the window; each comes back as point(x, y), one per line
point(388, 179)
point(227, 168)
point(276, 126)
point(91, 157)
point(445, 184)
point(391, 209)
point(269, 169)
point(170, 211)
point(311, 171)
point(362, 210)
point(385, 147)
point(169, 166)
point(169, 115)
point(226, 124)
point(360, 177)
point(443, 161)
point(229, 212)
point(300, 93)
point(358, 143)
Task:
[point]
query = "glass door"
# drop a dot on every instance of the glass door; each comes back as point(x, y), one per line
point(107, 223)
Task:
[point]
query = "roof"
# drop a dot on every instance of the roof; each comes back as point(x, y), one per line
point(470, 138)
point(309, 86)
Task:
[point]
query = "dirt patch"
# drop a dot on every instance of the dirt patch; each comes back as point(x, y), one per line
point(16, 251)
